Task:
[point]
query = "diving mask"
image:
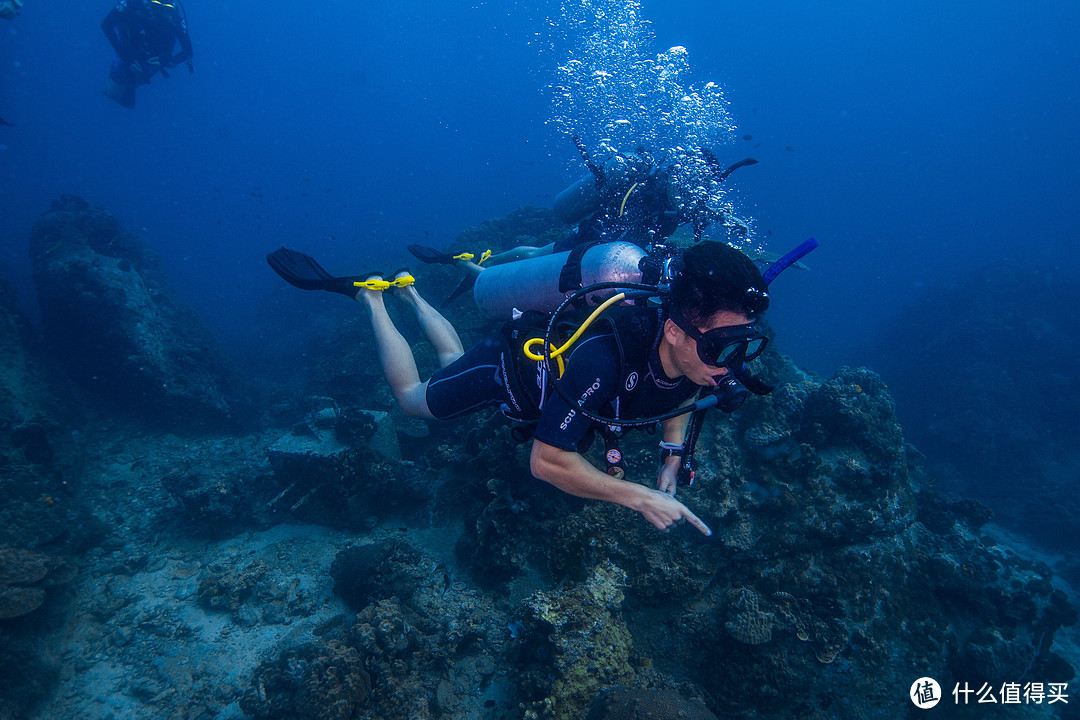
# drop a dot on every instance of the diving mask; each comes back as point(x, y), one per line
point(729, 346)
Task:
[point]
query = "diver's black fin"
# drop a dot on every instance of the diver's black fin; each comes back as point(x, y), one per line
point(430, 255)
point(300, 270)
point(464, 286)
point(735, 166)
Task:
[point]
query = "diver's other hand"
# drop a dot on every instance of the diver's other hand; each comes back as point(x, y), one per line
point(668, 480)
point(665, 512)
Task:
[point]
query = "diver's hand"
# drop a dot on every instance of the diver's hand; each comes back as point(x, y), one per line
point(665, 512)
point(668, 480)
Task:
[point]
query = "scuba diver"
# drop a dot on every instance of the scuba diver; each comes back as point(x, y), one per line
point(144, 34)
point(10, 8)
point(637, 365)
point(631, 197)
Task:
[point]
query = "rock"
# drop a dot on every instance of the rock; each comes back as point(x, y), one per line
point(367, 573)
point(324, 681)
point(16, 601)
point(24, 577)
point(106, 307)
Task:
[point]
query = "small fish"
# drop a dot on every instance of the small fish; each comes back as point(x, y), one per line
point(747, 136)
point(789, 148)
point(5, 123)
point(332, 238)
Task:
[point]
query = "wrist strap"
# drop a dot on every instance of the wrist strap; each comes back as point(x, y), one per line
point(668, 449)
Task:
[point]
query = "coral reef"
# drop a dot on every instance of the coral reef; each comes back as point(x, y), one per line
point(345, 563)
point(585, 643)
point(428, 643)
point(321, 682)
point(367, 573)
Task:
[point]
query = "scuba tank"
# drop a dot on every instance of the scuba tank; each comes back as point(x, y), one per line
point(543, 283)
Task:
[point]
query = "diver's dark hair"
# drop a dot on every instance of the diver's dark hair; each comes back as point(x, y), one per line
point(715, 276)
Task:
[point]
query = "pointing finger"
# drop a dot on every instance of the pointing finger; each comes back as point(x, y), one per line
point(696, 522)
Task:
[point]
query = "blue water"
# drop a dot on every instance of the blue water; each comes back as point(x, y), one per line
point(913, 139)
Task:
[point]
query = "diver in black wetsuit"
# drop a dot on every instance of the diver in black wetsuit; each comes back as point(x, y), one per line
point(632, 197)
point(10, 8)
point(144, 34)
point(653, 363)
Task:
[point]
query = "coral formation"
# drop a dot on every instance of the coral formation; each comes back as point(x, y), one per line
point(320, 682)
point(585, 639)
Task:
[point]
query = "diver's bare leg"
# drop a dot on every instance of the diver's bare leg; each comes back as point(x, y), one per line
point(438, 330)
point(521, 252)
point(396, 358)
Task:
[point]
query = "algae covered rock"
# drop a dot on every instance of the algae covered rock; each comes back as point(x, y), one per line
point(584, 643)
point(107, 309)
point(324, 681)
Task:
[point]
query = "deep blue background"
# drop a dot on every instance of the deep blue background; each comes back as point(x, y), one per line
point(915, 140)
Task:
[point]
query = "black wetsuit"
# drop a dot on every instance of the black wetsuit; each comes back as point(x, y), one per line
point(614, 370)
point(634, 207)
point(144, 34)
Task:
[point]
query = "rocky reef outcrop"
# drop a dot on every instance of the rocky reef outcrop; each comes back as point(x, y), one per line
point(30, 409)
point(451, 583)
point(836, 575)
point(112, 322)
